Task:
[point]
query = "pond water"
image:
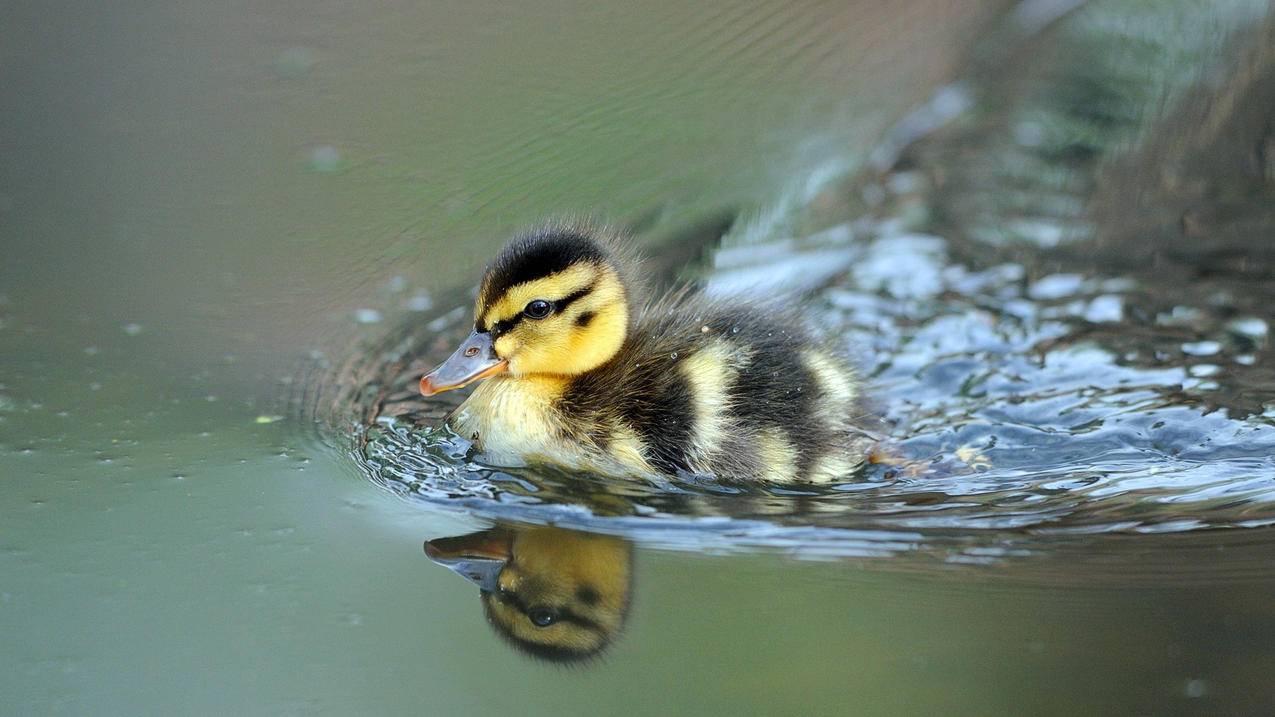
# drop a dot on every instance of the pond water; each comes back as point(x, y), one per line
point(235, 238)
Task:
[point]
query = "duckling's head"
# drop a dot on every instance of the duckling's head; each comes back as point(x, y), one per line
point(555, 594)
point(553, 303)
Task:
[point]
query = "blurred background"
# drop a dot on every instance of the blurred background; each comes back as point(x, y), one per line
point(1046, 227)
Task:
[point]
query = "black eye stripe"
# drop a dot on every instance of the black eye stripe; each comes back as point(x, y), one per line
point(505, 325)
point(563, 615)
point(574, 296)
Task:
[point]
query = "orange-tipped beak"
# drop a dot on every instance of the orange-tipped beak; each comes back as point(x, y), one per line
point(475, 360)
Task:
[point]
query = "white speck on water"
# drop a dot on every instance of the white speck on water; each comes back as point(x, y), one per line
point(396, 284)
point(420, 301)
point(1195, 688)
point(446, 320)
point(132, 329)
point(1205, 369)
point(1055, 286)
point(1197, 384)
point(1246, 359)
point(1179, 315)
point(294, 62)
point(325, 158)
point(1250, 326)
point(1043, 232)
point(1105, 308)
point(367, 316)
point(1201, 348)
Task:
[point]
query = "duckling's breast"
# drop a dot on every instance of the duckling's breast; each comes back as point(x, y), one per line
point(515, 421)
point(510, 420)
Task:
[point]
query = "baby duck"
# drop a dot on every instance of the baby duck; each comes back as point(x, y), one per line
point(582, 372)
point(553, 593)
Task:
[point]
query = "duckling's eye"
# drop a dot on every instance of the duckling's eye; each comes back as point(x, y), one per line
point(538, 309)
point(542, 616)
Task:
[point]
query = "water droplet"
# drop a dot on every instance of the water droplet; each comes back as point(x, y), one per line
point(294, 62)
point(673, 355)
point(1249, 326)
point(1055, 286)
point(1201, 348)
point(367, 316)
point(325, 158)
point(420, 301)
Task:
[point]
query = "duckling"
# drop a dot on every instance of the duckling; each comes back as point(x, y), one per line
point(581, 370)
point(556, 594)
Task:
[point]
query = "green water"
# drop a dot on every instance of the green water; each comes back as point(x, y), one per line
point(206, 209)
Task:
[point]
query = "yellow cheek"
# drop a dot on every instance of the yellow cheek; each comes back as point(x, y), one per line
point(591, 346)
point(506, 346)
point(557, 344)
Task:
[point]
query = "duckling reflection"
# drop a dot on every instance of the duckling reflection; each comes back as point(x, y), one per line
point(556, 594)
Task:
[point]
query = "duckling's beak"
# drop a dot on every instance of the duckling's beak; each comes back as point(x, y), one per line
point(476, 359)
point(477, 557)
